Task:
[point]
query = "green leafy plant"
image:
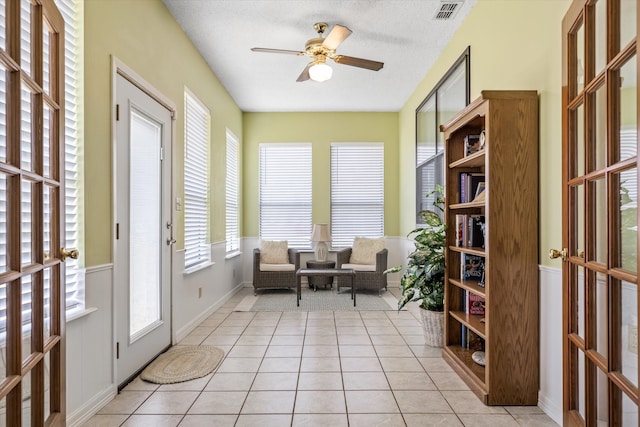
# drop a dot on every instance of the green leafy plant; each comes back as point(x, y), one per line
point(423, 279)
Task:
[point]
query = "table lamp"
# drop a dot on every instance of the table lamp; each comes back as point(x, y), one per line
point(321, 235)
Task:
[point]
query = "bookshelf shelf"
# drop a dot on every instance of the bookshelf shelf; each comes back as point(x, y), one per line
point(506, 258)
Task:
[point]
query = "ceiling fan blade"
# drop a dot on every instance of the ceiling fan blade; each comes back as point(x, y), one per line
point(305, 73)
point(358, 62)
point(336, 36)
point(267, 50)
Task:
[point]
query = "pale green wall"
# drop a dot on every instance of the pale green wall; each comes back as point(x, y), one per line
point(515, 44)
point(146, 38)
point(321, 129)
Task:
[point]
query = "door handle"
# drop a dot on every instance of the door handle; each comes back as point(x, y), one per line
point(554, 253)
point(68, 253)
point(170, 241)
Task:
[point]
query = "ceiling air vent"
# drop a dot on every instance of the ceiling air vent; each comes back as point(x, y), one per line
point(448, 10)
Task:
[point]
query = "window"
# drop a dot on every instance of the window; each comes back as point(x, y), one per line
point(72, 12)
point(357, 191)
point(196, 183)
point(449, 96)
point(285, 193)
point(232, 192)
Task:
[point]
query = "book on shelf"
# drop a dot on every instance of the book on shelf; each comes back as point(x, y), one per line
point(469, 183)
point(472, 268)
point(475, 231)
point(475, 303)
point(461, 230)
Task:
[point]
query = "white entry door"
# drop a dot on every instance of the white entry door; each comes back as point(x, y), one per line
point(143, 229)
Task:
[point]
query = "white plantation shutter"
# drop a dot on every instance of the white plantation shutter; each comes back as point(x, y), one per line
point(232, 193)
point(72, 11)
point(357, 191)
point(196, 182)
point(285, 193)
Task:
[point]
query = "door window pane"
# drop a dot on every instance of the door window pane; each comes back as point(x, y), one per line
point(46, 305)
point(25, 35)
point(628, 132)
point(3, 228)
point(25, 296)
point(46, 140)
point(579, 77)
point(46, 222)
point(581, 385)
point(580, 309)
point(3, 114)
point(25, 129)
point(579, 141)
point(577, 197)
point(601, 311)
point(145, 224)
point(627, 256)
point(26, 206)
point(629, 411)
point(599, 210)
point(601, 35)
point(600, 128)
point(26, 400)
point(629, 331)
point(628, 24)
point(46, 58)
point(602, 398)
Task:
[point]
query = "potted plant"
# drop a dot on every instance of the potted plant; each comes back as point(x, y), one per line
point(423, 278)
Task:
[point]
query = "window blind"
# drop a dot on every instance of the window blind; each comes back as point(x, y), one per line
point(357, 191)
point(285, 193)
point(196, 182)
point(232, 184)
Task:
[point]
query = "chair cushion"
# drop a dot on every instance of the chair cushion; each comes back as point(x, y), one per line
point(360, 267)
point(364, 250)
point(277, 267)
point(274, 252)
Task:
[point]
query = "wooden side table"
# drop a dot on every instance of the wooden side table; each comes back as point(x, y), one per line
point(320, 280)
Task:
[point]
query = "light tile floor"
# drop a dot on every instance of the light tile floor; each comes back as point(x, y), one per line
point(343, 368)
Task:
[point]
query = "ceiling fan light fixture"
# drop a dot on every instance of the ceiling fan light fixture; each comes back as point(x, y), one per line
point(320, 72)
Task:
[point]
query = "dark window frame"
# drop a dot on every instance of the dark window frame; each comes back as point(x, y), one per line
point(436, 160)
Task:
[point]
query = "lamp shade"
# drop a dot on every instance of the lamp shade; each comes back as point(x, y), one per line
point(320, 72)
point(320, 233)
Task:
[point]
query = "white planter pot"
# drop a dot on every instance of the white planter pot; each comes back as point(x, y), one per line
point(433, 326)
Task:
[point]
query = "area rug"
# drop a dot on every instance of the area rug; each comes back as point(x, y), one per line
point(183, 363)
point(322, 300)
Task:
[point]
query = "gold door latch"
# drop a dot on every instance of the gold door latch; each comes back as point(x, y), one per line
point(554, 253)
point(68, 253)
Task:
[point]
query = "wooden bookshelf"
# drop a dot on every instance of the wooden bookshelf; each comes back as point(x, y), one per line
point(509, 329)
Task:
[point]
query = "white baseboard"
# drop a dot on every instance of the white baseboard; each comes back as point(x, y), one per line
point(550, 408)
point(186, 329)
point(93, 405)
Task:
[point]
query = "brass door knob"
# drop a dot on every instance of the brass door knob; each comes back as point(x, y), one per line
point(554, 253)
point(69, 253)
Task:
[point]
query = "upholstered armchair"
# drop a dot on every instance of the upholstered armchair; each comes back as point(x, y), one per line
point(275, 266)
point(368, 258)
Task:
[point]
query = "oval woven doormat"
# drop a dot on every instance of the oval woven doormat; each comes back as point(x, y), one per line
point(183, 363)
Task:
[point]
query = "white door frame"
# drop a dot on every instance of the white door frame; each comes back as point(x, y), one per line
point(118, 68)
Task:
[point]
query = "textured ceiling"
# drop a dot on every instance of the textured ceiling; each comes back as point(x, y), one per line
point(401, 33)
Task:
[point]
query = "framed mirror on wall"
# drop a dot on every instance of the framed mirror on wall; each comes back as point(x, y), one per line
point(450, 95)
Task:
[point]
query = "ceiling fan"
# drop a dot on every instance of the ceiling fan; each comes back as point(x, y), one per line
point(319, 49)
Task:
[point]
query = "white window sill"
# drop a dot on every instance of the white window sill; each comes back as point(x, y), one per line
point(198, 267)
point(231, 255)
point(78, 314)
